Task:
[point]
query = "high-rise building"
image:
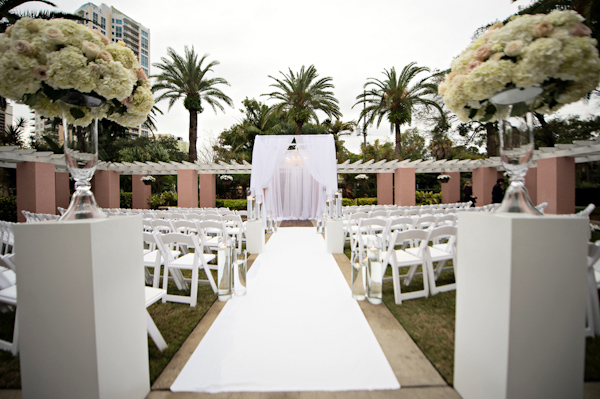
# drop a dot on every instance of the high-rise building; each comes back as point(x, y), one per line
point(117, 26)
point(6, 117)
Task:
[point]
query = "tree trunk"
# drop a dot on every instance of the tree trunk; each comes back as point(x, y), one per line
point(546, 138)
point(398, 141)
point(299, 127)
point(193, 154)
point(492, 144)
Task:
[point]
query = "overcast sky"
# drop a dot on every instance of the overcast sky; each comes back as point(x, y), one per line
point(348, 40)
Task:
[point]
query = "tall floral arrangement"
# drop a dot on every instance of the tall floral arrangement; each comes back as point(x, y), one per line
point(42, 60)
point(554, 52)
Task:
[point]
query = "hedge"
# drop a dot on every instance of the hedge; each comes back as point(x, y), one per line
point(8, 208)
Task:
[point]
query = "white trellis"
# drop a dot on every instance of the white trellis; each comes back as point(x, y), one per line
point(582, 151)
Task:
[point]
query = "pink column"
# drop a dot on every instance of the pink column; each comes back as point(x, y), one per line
point(531, 184)
point(106, 188)
point(208, 191)
point(484, 180)
point(385, 188)
point(187, 188)
point(140, 193)
point(556, 184)
point(62, 189)
point(404, 182)
point(35, 188)
point(451, 190)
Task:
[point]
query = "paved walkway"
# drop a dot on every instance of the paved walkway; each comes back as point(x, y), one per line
point(416, 375)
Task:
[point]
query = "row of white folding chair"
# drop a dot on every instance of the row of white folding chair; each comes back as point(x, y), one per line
point(192, 256)
point(8, 297)
point(32, 217)
point(7, 237)
point(425, 254)
point(592, 327)
point(230, 225)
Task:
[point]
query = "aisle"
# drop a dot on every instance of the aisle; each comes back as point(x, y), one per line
point(297, 329)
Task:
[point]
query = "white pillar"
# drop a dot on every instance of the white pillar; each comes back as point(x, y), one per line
point(81, 309)
point(520, 306)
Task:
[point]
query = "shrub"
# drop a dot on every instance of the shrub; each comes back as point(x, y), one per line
point(166, 198)
point(427, 197)
point(233, 204)
point(8, 208)
point(126, 200)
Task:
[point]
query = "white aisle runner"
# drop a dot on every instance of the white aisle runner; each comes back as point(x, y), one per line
point(297, 329)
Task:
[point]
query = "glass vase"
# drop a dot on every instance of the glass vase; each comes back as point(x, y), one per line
point(515, 127)
point(225, 269)
point(81, 153)
point(359, 266)
point(374, 272)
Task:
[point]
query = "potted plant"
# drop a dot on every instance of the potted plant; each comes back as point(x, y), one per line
point(226, 179)
point(147, 180)
point(443, 178)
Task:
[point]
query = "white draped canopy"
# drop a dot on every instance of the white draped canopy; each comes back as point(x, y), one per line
point(294, 183)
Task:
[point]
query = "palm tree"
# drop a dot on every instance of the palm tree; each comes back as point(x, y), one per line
point(338, 128)
point(396, 99)
point(302, 94)
point(186, 77)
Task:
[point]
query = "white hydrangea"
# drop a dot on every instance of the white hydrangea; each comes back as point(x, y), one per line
point(530, 50)
point(66, 55)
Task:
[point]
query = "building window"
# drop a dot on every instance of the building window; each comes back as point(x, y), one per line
point(103, 22)
point(119, 31)
point(95, 18)
point(144, 33)
point(144, 43)
point(144, 61)
point(118, 21)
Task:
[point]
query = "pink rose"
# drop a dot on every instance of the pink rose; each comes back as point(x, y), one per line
point(513, 48)
point(22, 47)
point(55, 35)
point(141, 75)
point(472, 65)
point(542, 29)
point(104, 56)
point(483, 52)
point(40, 72)
point(127, 102)
point(581, 30)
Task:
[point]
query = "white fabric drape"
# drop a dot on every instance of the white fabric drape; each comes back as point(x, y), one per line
point(294, 184)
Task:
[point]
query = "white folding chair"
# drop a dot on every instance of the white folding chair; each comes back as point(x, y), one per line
point(193, 261)
point(153, 295)
point(351, 224)
point(210, 232)
point(234, 228)
point(399, 258)
point(592, 306)
point(441, 249)
point(162, 225)
point(8, 297)
point(370, 228)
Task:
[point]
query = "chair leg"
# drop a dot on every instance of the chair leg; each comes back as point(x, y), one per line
point(154, 333)
point(194, 287)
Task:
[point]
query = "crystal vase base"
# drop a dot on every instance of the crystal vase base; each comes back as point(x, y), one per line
point(516, 200)
point(83, 206)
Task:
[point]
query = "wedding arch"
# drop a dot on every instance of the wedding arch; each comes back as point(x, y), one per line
point(294, 175)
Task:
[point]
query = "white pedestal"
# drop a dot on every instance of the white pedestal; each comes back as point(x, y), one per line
point(82, 319)
point(520, 306)
point(334, 236)
point(255, 236)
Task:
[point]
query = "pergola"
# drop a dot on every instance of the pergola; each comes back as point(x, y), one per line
point(551, 178)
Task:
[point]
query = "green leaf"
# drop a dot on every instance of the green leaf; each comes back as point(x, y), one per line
point(76, 113)
point(519, 109)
